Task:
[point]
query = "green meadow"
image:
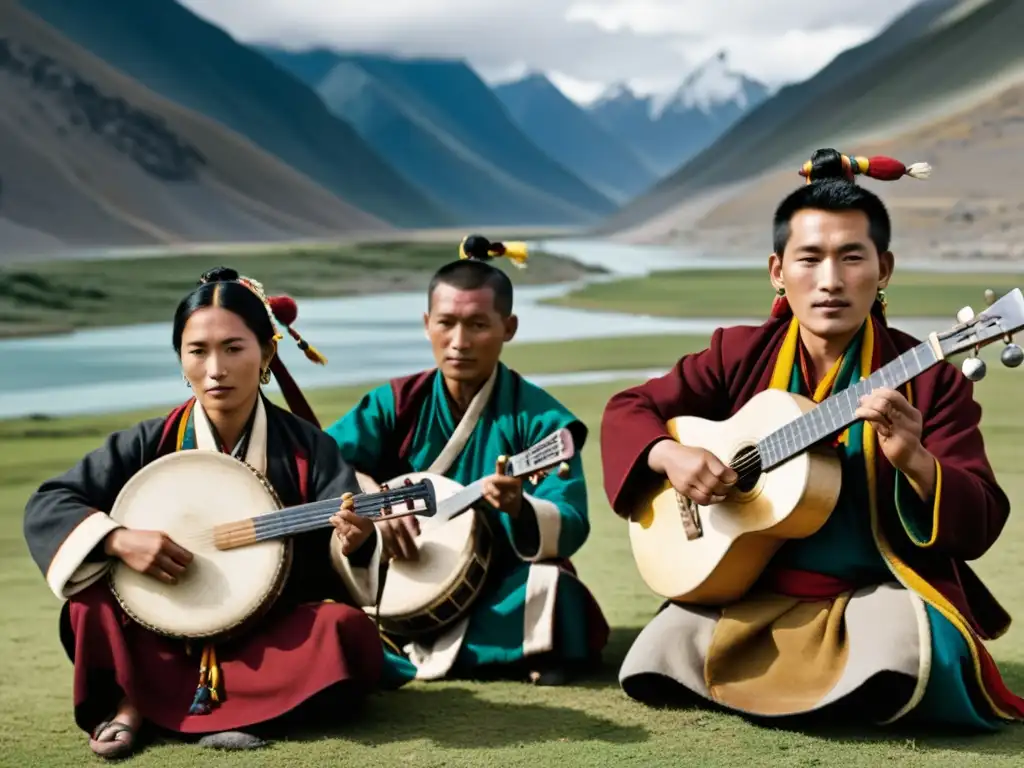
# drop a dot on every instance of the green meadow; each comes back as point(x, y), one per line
point(453, 724)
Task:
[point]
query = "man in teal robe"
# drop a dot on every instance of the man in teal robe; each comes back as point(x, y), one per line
point(534, 619)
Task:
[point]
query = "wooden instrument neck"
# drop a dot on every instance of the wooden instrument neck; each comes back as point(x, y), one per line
point(836, 413)
point(316, 514)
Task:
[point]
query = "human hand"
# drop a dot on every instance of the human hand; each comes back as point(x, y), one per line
point(150, 552)
point(502, 491)
point(351, 529)
point(694, 472)
point(898, 425)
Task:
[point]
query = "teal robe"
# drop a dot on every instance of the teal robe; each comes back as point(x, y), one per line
point(844, 548)
point(517, 415)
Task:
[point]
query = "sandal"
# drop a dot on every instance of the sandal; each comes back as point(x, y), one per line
point(113, 747)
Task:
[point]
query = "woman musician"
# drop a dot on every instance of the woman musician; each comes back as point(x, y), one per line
point(311, 643)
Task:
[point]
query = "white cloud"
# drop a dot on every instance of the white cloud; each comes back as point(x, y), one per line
point(584, 45)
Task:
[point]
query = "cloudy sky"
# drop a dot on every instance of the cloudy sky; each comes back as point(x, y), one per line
point(583, 45)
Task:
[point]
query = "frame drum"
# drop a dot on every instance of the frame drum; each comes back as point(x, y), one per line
point(426, 595)
point(185, 494)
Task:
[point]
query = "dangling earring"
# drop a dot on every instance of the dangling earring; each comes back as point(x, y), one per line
point(265, 375)
point(880, 298)
point(187, 382)
point(780, 306)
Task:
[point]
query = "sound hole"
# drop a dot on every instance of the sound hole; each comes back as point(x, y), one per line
point(747, 465)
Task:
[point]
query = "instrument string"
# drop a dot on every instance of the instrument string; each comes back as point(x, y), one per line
point(312, 514)
point(365, 507)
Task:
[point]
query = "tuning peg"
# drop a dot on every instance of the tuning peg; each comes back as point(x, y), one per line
point(974, 368)
point(990, 296)
point(1012, 356)
point(965, 315)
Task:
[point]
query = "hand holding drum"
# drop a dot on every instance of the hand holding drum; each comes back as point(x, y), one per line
point(151, 552)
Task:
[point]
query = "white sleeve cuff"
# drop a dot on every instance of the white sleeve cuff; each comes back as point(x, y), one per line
point(68, 572)
point(361, 583)
point(549, 526)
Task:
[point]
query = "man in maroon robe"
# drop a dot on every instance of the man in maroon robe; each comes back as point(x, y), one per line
point(876, 614)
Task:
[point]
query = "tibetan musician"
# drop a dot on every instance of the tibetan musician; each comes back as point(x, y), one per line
point(875, 615)
point(311, 651)
point(533, 619)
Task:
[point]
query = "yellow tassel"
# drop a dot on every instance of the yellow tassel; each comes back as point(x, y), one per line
point(517, 253)
point(313, 354)
point(214, 675)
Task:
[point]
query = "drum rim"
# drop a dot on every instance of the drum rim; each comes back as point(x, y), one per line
point(453, 578)
point(276, 584)
point(397, 623)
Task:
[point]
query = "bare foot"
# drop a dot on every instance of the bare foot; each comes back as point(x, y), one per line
point(115, 738)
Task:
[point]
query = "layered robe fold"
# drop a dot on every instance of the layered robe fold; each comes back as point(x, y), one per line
point(877, 611)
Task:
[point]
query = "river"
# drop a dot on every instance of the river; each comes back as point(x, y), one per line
point(366, 339)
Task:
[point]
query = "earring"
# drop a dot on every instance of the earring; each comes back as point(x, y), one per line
point(881, 296)
point(265, 376)
point(780, 291)
point(187, 382)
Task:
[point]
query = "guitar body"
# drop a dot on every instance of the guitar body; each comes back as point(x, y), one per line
point(712, 555)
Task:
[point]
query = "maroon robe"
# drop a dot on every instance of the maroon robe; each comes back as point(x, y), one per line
point(302, 648)
point(715, 383)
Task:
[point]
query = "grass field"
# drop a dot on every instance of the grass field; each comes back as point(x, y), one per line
point(57, 296)
point(466, 724)
point(747, 293)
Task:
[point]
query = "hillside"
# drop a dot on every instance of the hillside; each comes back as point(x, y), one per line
point(971, 208)
point(564, 130)
point(923, 65)
point(170, 50)
point(670, 129)
point(446, 130)
point(91, 157)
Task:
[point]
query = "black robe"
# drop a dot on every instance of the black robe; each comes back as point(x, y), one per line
point(66, 521)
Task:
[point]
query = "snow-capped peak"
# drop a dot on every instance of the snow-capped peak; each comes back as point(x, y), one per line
point(615, 92)
point(711, 84)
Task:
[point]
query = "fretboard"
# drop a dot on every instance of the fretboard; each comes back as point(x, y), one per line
point(314, 515)
point(836, 413)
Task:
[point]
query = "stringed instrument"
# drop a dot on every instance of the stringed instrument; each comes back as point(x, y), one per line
point(426, 595)
point(228, 515)
point(789, 477)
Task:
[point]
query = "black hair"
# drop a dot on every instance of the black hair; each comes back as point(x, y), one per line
point(219, 287)
point(470, 275)
point(833, 194)
point(828, 164)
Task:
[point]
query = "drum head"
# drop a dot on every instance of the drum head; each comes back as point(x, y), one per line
point(184, 495)
point(443, 488)
point(444, 550)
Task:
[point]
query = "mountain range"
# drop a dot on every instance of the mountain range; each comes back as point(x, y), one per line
point(668, 130)
point(129, 122)
point(941, 84)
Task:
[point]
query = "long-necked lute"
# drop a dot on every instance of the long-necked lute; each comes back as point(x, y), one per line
point(430, 593)
point(789, 477)
point(229, 517)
